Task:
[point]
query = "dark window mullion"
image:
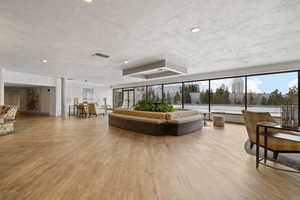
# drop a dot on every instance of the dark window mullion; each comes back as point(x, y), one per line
point(209, 96)
point(298, 98)
point(127, 99)
point(182, 95)
point(147, 95)
point(246, 93)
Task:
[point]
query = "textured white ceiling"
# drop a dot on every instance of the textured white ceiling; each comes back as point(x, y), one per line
point(234, 34)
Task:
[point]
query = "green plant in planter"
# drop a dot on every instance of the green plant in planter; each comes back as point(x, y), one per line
point(144, 105)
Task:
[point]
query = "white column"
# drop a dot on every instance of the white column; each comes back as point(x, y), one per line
point(58, 97)
point(1, 86)
point(63, 97)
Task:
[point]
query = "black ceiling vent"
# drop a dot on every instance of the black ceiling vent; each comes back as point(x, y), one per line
point(100, 55)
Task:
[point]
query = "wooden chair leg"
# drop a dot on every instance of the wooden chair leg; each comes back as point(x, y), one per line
point(275, 155)
point(251, 145)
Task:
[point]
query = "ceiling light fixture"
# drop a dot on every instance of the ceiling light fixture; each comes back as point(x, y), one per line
point(44, 61)
point(88, 1)
point(195, 29)
point(126, 62)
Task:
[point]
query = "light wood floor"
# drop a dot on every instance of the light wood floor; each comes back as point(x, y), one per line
point(54, 158)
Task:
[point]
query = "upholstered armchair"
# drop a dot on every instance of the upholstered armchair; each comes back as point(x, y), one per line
point(278, 141)
point(8, 112)
point(7, 118)
point(94, 110)
point(83, 109)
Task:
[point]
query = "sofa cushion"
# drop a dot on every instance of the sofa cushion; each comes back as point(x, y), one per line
point(158, 115)
point(155, 115)
point(185, 119)
point(137, 118)
point(181, 113)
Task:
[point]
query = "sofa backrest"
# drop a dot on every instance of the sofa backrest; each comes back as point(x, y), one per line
point(252, 118)
point(155, 115)
point(92, 108)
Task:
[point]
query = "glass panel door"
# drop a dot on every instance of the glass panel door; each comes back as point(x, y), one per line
point(117, 98)
point(128, 98)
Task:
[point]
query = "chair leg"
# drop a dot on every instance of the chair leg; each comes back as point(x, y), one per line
point(251, 145)
point(275, 155)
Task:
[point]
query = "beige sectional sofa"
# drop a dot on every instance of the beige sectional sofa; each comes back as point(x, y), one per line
point(154, 123)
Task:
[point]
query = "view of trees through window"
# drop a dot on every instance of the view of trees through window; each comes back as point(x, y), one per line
point(173, 94)
point(265, 93)
point(268, 92)
point(140, 94)
point(228, 95)
point(155, 93)
point(196, 95)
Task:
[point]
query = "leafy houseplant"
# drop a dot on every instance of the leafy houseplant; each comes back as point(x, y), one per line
point(144, 105)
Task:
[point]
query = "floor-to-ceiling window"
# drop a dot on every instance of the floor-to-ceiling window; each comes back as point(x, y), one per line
point(228, 95)
point(117, 98)
point(140, 94)
point(155, 93)
point(173, 94)
point(196, 95)
point(266, 93)
point(128, 98)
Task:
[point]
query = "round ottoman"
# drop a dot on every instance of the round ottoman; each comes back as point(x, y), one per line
point(218, 120)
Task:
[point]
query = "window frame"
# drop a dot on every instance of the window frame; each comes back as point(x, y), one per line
point(245, 76)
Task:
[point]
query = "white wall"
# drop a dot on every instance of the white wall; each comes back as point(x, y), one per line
point(15, 96)
point(45, 100)
point(28, 79)
point(19, 96)
point(52, 99)
point(1, 86)
point(74, 89)
point(56, 103)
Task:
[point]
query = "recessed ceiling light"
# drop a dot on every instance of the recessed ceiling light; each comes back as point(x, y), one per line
point(195, 29)
point(44, 61)
point(88, 1)
point(126, 62)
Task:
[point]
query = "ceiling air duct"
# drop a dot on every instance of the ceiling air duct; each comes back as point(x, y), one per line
point(155, 70)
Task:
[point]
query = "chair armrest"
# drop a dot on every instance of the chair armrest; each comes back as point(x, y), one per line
point(290, 137)
point(274, 131)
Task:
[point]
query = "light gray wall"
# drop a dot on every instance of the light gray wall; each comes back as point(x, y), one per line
point(8, 77)
point(75, 88)
point(18, 96)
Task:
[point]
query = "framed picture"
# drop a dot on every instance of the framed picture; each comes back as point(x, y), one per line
point(87, 94)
